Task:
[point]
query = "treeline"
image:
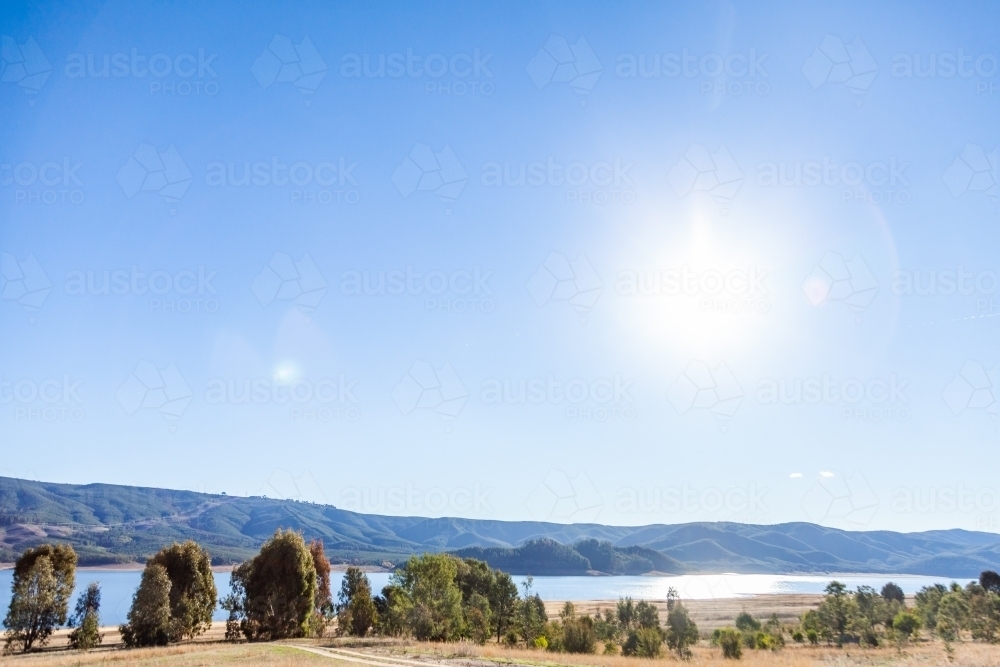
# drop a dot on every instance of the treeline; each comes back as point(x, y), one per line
point(285, 592)
point(873, 618)
point(445, 598)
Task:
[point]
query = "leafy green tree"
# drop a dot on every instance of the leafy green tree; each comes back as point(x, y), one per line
point(835, 612)
point(324, 610)
point(608, 630)
point(478, 582)
point(892, 592)
point(39, 596)
point(392, 610)
point(990, 581)
point(356, 612)
point(745, 622)
point(148, 621)
point(273, 595)
point(646, 615)
point(430, 583)
point(927, 600)
point(531, 619)
point(478, 618)
point(33, 611)
point(952, 615)
point(984, 613)
point(870, 608)
point(503, 603)
point(626, 614)
point(192, 588)
point(87, 619)
point(681, 631)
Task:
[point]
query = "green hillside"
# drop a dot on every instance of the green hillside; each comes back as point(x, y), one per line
point(112, 524)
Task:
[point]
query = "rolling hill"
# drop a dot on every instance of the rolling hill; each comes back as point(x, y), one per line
point(113, 524)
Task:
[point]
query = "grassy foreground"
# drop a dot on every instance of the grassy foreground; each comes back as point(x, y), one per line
point(395, 653)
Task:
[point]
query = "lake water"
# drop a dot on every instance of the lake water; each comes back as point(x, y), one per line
point(117, 586)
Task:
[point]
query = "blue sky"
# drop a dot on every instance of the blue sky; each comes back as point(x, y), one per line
point(741, 259)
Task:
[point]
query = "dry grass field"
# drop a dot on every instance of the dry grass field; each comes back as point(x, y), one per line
point(344, 653)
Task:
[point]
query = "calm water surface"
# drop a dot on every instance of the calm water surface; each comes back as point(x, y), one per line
point(117, 586)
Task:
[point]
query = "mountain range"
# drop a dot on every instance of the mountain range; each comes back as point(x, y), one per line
point(119, 524)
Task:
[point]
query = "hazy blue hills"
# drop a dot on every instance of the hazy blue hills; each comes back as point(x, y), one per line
point(109, 523)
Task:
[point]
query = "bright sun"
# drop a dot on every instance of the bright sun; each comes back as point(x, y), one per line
point(700, 298)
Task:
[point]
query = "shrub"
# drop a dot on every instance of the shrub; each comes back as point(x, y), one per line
point(644, 643)
point(730, 641)
point(579, 635)
point(746, 622)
